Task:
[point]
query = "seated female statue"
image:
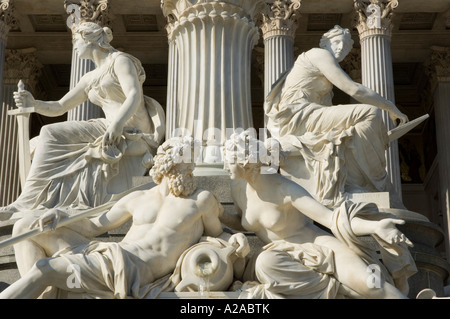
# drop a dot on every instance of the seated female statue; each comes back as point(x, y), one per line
point(83, 163)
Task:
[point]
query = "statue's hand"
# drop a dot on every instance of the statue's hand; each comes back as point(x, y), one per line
point(53, 216)
point(386, 230)
point(396, 115)
point(24, 99)
point(112, 135)
point(240, 241)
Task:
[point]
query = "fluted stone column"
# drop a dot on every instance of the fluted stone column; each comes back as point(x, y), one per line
point(87, 110)
point(80, 11)
point(172, 84)
point(279, 23)
point(439, 72)
point(215, 41)
point(9, 177)
point(374, 27)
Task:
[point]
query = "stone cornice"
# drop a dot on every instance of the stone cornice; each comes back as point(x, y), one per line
point(374, 17)
point(280, 18)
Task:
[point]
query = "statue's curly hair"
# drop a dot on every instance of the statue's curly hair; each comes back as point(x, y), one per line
point(166, 164)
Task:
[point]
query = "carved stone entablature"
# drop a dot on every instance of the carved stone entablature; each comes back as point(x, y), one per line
point(8, 19)
point(88, 10)
point(180, 12)
point(22, 64)
point(374, 16)
point(280, 18)
point(437, 66)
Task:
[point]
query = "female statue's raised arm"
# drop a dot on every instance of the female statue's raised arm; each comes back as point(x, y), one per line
point(324, 60)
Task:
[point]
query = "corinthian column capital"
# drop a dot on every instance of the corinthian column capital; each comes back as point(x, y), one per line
point(183, 12)
point(8, 19)
point(374, 16)
point(22, 64)
point(437, 66)
point(88, 10)
point(280, 18)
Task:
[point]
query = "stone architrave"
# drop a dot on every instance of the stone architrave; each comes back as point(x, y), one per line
point(9, 180)
point(214, 42)
point(374, 28)
point(438, 69)
point(84, 10)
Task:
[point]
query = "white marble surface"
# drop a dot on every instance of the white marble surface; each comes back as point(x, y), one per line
point(313, 263)
point(149, 259)
point(334, 149)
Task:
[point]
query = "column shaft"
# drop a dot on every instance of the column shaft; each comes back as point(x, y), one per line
point(442, 118)
point(215, 42)
point(9, 156)
point(172, 89)
point(86, 110)
point(278, 58)
point(377, 74)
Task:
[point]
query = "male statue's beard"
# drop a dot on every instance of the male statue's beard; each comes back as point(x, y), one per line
point(182, 184)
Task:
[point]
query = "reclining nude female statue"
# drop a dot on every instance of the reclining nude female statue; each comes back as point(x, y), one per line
point(300, 259)
point(83, 163)
point(166, 221)
point(334, 149)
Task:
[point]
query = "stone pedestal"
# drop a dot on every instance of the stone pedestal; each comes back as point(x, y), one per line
point(172, 89)
point(9, 186)
point(279, 23)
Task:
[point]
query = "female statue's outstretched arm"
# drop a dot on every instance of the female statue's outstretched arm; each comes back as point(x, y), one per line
point(385, 228)
point(71, 99)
